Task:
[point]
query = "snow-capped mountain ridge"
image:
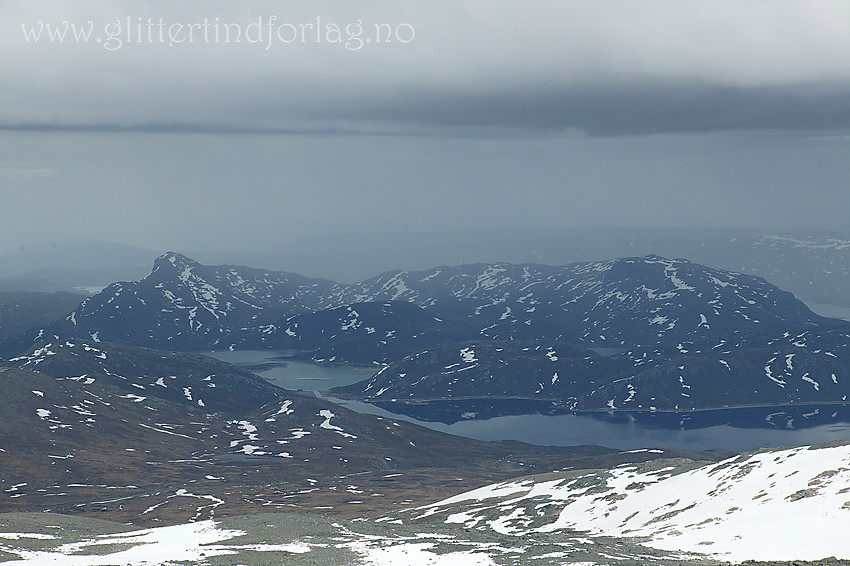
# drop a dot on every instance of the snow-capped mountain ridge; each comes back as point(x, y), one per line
point(182, 304)
point(185, 305)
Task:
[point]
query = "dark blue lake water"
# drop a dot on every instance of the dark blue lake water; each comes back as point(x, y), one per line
point(760, 428)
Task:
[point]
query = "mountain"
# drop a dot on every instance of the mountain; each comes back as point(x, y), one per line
point(815, 266)
point(624, 301)
point(671, 335)
point(94, 426)
point(461, 380)
point(184, 305)
point(637, 334)
point(153, 437)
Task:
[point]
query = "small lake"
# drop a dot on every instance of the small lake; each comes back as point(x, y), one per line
point(278, 367)
point(546, 430)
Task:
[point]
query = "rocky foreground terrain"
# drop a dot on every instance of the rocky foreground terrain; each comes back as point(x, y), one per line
point(760, 508)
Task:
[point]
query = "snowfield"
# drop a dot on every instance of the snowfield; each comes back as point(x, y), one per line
point(787, 504)
point(149, 547)
point(196, 542)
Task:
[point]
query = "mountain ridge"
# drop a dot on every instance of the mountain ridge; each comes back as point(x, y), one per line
point(489, 293)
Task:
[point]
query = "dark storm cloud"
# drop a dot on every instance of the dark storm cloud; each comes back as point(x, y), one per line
point(172, 128)
point(610, 111)
point(604, 68)
point(616, 110)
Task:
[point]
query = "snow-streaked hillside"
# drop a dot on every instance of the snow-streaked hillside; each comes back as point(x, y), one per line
point(786, 504)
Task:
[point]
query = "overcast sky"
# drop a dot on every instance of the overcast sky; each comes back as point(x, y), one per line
point(482, 114)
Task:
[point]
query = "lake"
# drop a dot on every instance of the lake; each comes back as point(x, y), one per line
point(622, 433)
point(296, 375)
point(615, 431)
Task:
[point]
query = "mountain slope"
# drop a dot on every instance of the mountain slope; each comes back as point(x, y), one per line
point(142, 373)
point(735, 510)
point(456, 378)
point(363, 333)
